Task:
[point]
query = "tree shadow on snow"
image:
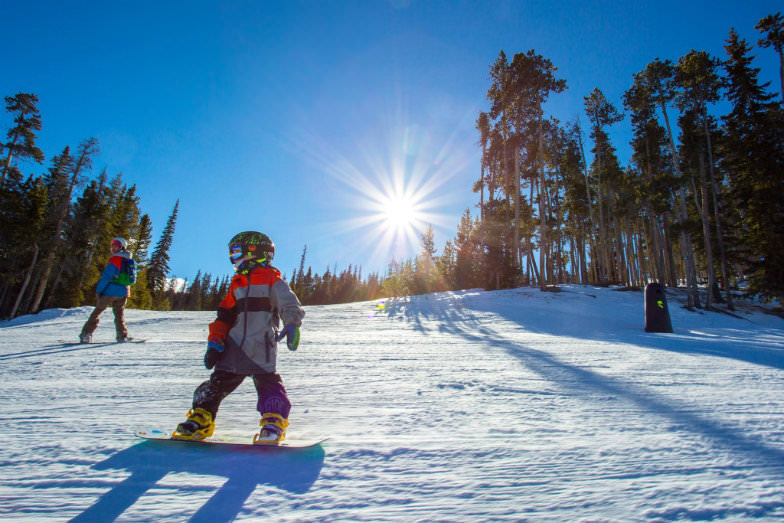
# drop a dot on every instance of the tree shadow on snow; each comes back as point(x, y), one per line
point(572, 315)
point(293, 470)
point(58, 348)
point(459, 320)
point(581, 380)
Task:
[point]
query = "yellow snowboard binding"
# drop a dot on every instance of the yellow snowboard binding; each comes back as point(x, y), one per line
point(198, 426)
point(273, 429)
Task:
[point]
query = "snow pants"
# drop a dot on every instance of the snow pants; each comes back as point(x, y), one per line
point(101, 304)
point(269, 386)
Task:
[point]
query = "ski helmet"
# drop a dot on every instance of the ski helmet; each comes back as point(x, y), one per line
point(251, 245)
point(120, 242)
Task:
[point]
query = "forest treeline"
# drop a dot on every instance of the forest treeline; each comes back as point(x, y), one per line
point(56, 228)
point(700, 204)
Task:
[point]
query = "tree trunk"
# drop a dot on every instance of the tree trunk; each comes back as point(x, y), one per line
point(717, 217)
point(482, 183)
point(781, 71)
point(46, 272)
point(655, 237)
point(583, 274)
point(688, 253)
point(25, 283)
point(641, 269)
point(543, 233)
point(7, 163)
point(704, 209)
point(589, 202)
point(669, 256)
point(3, 295)
point(516, 235)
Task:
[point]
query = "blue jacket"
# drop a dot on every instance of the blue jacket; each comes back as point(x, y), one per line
point(105, 286)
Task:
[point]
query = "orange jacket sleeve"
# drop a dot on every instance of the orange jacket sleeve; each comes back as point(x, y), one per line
point(227, 315)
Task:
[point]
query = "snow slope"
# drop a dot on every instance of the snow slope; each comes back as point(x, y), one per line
point(513, 405)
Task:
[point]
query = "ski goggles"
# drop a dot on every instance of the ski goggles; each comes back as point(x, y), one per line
point(235, 253)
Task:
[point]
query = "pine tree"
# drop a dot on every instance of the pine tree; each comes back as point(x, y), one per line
point(753, 159)
point(158, 270)
point(21, 137)
point(483, 126)
point(80, 268)
point(298, 282)
point(658, 77)
point(138, 245)
point(26, 219)
point(426, 276)
point(696, 76)
point(656, 179)
point(63, 178)
point(194, 294)
point(606, 170)
point(574, 209)
point(772, 26)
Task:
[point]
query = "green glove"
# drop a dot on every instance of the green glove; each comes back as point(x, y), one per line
point(291, 333)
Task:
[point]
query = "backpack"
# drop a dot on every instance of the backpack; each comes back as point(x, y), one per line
point(127, 275)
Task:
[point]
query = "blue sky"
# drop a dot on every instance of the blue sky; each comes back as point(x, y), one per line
point(304, 119)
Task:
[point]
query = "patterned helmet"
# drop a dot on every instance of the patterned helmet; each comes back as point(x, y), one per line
point(120, 242)
point(251, 245)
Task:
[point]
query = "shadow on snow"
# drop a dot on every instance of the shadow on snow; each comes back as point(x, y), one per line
point(293, 470)
point(571, 314)
point(458, 318)
point(55, 349)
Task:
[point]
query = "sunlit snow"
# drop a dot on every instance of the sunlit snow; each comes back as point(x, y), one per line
point(515, 405)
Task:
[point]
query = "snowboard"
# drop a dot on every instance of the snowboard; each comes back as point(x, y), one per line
point(162, 435)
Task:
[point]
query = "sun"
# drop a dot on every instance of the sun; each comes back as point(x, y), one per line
point(394, 184)
point(399, 212)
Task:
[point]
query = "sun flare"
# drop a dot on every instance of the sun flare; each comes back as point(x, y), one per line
point(399, 212)
point(396, 186)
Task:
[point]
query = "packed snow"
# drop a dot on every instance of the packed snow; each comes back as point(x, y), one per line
point(515, 405)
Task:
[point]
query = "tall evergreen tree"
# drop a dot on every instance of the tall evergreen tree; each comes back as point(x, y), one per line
point(158, 270)
point(601, 113)
point(753, 158)
point(652, 158)
point(65, 175)
point(696, 75)
point(81, 267)
point(658, 77)
point(140, 243)
point(20, 142)
point(772, 26)
point(24, 221)
point(483, 126)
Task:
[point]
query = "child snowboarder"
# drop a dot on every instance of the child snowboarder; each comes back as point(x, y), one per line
point(113, 290)
point(242, 342)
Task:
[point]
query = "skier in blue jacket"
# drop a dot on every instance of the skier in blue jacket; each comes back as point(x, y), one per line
point(112, 290)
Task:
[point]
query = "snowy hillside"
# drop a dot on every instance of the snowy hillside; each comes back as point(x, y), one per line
point(473, 406)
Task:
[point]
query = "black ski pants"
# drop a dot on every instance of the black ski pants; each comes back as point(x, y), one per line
point(269, 386)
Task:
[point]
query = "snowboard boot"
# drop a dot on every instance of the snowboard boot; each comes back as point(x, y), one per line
point(198, 426)
point(86, 338)
point(273, 429)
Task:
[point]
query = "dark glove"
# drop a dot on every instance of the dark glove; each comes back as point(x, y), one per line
point(214, 352)
point(291, 333)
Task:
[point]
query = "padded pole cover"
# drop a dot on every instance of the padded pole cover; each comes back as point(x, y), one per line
point(657, 315)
